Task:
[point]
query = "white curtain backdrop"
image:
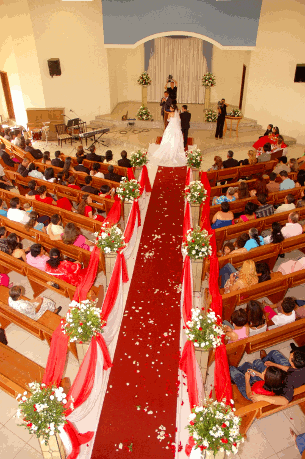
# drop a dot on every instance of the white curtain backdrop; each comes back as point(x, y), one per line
point(183, 59)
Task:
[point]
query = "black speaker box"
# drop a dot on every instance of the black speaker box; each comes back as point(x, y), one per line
point(54, 67)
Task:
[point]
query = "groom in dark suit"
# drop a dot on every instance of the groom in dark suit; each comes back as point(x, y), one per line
point(165, 104)
point(185, 123)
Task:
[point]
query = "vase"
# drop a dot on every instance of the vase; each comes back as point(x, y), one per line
point(202, 357)
point(206, 454)
point(195, 210)
point(195, 173)
point(127, 209)
point(110, 259)
point(81, 348)
point(207, 97)
point(197, 266)
point(144, 96)
point(54, 449)
point(137, 172)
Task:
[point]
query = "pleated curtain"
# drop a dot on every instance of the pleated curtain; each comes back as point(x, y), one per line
point(183, 59)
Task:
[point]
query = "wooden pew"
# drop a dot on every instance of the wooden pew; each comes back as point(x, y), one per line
point(17, 151)
point(240, 171)
point(42, 328)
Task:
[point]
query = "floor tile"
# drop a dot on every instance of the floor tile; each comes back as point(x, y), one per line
point(28, 452)
point(34, 443)
point(297, 418)
point(10, 444)
point(256, 446)
point(8, 407)
point(276, 429)
point(15, 335)
point(289, 453)
point(21, 432)
point(35, 349)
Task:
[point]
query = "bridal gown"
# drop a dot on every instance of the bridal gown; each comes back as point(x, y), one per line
point(171, 150)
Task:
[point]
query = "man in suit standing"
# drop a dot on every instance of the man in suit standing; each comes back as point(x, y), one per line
point(124, 162)
point(172, 90)
point(185, 123)
point(165, 104)
point(222, 112)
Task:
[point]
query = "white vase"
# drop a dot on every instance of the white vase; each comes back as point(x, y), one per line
point(195, 173)
point(110, 259)
point(127, 208)
point(81, 348)
point(195, 210)
point(144, 96)
point(197, 266)
point(137, 172)
point(202, 357)
point(54, 449)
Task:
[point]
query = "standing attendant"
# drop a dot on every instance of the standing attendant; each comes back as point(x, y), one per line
point(185, 123)
point(165, 104)
point(172, 90)
point(222, 112)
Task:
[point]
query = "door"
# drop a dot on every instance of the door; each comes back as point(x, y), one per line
point(7, 95)
point(242, 87)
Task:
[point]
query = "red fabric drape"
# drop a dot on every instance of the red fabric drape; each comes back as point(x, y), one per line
point(134, 212)
point(188, 365)
point(77, 439)
point(188, 294)
point(113, 287)
point(114, 214)
point(83, 289)
point(107, 360)
point(222, 383)
point(56, 358)
point(130, 173)
point(188, 176)
point(144, 180)
point(205, 181)
point(186, 220)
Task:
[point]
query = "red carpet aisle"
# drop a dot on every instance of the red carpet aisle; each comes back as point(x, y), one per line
point(145, 371)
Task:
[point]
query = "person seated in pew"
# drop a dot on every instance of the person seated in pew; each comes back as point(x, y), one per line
point(260, 185)
point(80, 152)
point(95, 172)
point(4, 244)
point(15, 214)
point(80, 167)
point(49, 175)
point(285, 311)
point(238, 328)
point(287, 183)
point(24, 167)
point(16, 247)
point(281, 165)
point(232, 280)
point(6, 158)
point(92, 156)
point(34, 172)
point(88, 188)
point(108, 193)
point(251, 160)
point(263, 271)
point(46, 158)
point(111, 175)
point(72, 235)
point(293, 164)
point(33, 222)
point(27, 207)
point(301, 202)
point(68, 271)
point(223, 217)
point(67, 168)
point(37, 154)
point(266, 154)
point(256, 317)
point(60, 179)
point(264, 209)
point(280, 145)
point(109, 158)
point(288, 204)
point(243, 190)
point(228, 248)
point(273, 186)
point(249, 214)
point(85, 209)
point(300, 179)
point(33, 309)
point(228, 197)
point(292, 228)
point(37, 257)
point(217, 164)
point(124, 162)
point(276, 236)
point(71, 183)
point(42, 196)
point(55, 228)
point(291, 266)
point(255, 240)
point(57, 162)
point(32, 190)
point(64, 203)
point(3, 212)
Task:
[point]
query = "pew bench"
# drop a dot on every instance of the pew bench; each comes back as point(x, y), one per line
point(238, 172)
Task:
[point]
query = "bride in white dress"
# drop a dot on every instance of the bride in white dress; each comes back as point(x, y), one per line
point(170, 153)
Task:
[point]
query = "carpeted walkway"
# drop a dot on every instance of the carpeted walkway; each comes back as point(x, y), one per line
point(142, 388)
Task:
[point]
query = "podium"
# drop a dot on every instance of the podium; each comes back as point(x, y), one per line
point(231, 118)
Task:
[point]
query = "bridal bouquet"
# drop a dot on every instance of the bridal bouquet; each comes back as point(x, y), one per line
point(194, 158)
point(110, 239)
point(144, 114)
point(138, 158)
point(43, 412)
point(208, 80)
point(129, 190)
point(215, 427)
point(83, 321)
point(204, 331)
point(144, 79)
point(195, 193)
point(210, 116)
point(235, 112)
point(197, 244)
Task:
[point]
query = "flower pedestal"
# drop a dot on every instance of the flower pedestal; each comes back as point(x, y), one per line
point(197, 266)
point(195, 173)
point(54, 449)
point(110, 259)
point(127, 209)
point(81, 348)
point(137, 172)
point(144, 95)
point(207, 97)
point(205, 454)
point(195, 210)
point(202, 357)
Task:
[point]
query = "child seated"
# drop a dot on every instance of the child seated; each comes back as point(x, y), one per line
point(240, 327)
point(227, 249)
point(27, 207)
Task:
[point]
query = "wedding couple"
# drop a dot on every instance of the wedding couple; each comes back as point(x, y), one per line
point(170, 153)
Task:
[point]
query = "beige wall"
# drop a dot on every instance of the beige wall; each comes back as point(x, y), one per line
point(272, 95)
point(227, 66)
point(125, 66)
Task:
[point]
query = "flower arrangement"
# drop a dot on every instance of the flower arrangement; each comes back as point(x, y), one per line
point(43, 412)
point(110, 239)
point(197, 244)
point(235, 112)
point(129, 190)
point(204, 331)
point(194, 158)
point(214, 427)
point(144, 79)
point(83, 321)
point(138, 158)
point(195, 193)
point(210, 116)
point(208, 80)
point(144, 114)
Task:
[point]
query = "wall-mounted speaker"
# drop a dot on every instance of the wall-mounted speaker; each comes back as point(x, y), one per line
point(54, 67)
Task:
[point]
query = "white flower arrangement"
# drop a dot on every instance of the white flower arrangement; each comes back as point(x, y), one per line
point(138, 158)
point(208, 80)
point(210, 116)
point(197, 244)
point(144, 79)
point(204, 331)
point(194, 158)
point(215, 427)
point(195, 193)
point(83, 321)
point(42, 412)
point(144, 114)
point(235, 112)
point(129, 190)
point(110, 239)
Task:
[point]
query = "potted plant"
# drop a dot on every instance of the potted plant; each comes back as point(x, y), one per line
point(83, 321)
point(235, 112)
point(210, 116)
point(197, 247)
point(193, 160)
point(144, 80)
point(215, 429)
point(43, 414)
point(205, 333)
point(208, 81)
point(128, 191)
point(144, 114)
point(138, 159)
point(195, 194)
point(110, 240)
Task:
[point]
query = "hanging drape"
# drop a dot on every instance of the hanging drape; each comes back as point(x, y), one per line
point(183, 59)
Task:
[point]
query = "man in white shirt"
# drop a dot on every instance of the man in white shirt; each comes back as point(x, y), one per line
point(289, 204)
point(282, 165)
point(18, 140)
point(15, 214)
point(292, 228)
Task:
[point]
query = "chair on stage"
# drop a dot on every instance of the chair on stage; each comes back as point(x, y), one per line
point(61, 131)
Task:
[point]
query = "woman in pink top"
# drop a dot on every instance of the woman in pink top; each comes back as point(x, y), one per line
point(292, 266)
point(240, 328)
point(72, 236)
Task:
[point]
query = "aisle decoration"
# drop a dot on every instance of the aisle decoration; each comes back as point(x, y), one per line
point(235, 112)
point(144, 114)
point(197, 244)
point(129, 190)
point(215, 428)
point(138, 159)
point(195, 195)
point(144, 79)
point(194, 158)
point(208, 80)
point(210, 116)
point(110, 239)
